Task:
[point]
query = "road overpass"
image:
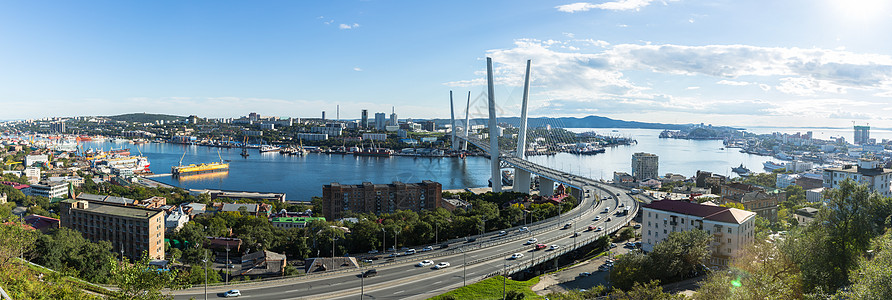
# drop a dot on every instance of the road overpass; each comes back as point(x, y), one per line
point(470, 262)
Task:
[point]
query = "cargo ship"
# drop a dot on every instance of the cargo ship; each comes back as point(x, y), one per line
point(199, 168)
point(202, 168)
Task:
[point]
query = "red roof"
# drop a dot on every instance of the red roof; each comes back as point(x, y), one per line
point(41, 223)
point(15, 185)
point(707, 212)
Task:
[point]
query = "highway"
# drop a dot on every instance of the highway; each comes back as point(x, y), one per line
point(470, 262)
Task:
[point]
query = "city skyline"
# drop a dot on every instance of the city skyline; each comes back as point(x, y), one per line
point(800, 63)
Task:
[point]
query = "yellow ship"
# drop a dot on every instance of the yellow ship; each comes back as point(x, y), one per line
point(199, 168)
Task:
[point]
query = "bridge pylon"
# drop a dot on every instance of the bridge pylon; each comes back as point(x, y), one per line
point(496, 178)
point(522, 177)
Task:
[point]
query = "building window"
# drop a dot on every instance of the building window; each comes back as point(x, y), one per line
point(729, 229)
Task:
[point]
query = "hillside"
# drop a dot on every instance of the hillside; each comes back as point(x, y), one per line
point(585, 122)
point(145, 118)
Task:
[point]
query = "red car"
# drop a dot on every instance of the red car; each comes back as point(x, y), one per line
point(591, 228)
point(541, 246)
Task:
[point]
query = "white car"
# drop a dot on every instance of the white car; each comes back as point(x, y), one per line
point(232, 293)
point(598, 229)
point(554, 247)
point(428, 248)
point(597, 218)
point(373, 251)
point(501, 233)
point(516, 255)
point(441, 265)
point(523, 229)
point(532, 241)
point(425, 263)
point(410, 252)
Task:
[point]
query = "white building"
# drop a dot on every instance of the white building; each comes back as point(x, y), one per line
point(374, 136)
point(33, 174)
point(312, 136)
point(50, 189)
point(330, 131)
point(814, 195)
point(867, 171)
point(268, 126)
point(645, 166)
point(176, 219)
point(731, 229)
point(785, 180)
point(32, 159)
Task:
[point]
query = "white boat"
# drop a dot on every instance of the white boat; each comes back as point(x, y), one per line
point(771, 166)
point(268, 148)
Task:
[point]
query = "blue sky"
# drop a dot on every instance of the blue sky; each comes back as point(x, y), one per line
point(745, 63)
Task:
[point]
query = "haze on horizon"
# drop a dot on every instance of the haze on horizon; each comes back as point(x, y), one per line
point(739, 63)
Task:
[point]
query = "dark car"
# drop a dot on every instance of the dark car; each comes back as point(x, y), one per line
point(370, 273)
point(471, 240)
point(444, 246)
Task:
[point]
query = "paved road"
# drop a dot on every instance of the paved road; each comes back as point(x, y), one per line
point(403, 280)
point(487, 256)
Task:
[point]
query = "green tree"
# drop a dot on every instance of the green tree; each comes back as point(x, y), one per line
point(871, 278)
point(649, 290)
point(138, 280)
point(629, 269)
point(681, 253)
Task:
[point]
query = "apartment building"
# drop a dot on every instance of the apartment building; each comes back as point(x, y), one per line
point(731, 229)
point(645, 166)
point(130, 230)
point(338, 199)
point(754, 198)
point(867, 171)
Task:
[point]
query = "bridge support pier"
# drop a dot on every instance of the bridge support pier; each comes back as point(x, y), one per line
point(578, 194)
point(521, 181)
point(546, 187)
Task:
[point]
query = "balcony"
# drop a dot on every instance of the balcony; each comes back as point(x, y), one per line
point(673, 223)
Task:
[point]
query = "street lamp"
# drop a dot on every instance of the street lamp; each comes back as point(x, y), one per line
point(464, 266)
point(205, 261)
point(227, 264)
point(505, 281)
point(333, 240)
point(384, 241)
point(397, 233)
point(437, 233)
point(361, 284)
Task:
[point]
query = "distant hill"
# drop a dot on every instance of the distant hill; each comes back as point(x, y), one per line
point(145, 118)
point(585, 122)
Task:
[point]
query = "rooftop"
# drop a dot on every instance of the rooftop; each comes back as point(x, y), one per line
point(120, 211)
point(707, 212)
point(295, 219)
point(859, 170)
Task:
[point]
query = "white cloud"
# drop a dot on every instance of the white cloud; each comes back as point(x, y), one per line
point(614, 5)
point(733, 82)
point(357, 69)
point(346, 26)
point(329, 22)
point(621, 78)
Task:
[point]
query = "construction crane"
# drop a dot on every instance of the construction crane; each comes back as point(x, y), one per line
point(11, 163)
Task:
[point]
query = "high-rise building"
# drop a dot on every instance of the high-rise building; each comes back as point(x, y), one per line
point(339, 199)
point(364, 123)
point(58, 127)
point(253, 117)
point(380, 121)
point(130, 230)
point(394, 121)
point(862, 135)
point(645, 166)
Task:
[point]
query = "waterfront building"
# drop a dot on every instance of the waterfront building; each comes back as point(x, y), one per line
point(51, 189)
point(862, 135)
point(312, 136)
point(338, 199)
point(731, 229)
point(374, 136)
point(645, 166)
point(867, 171)
point(130, 230)
point(329, 130)
point(754, 198)
point(364, 122)
point(623, 178)
point(380, 121)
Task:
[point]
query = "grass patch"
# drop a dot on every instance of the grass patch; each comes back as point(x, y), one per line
point(491, 288)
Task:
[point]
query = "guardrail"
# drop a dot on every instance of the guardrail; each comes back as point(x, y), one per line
point(495, 240)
